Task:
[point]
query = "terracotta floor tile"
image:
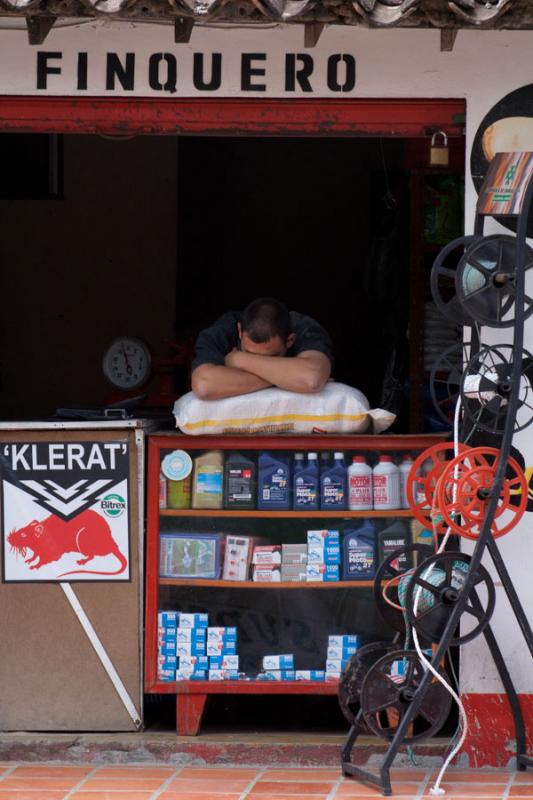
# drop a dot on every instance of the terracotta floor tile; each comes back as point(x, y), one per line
point(523, 777)
point(408, 774)
point(473, 776)
point(195, 796)
point(23, 794)
point(50, 771)
point(291, 796)
point(122, 771)
point(523, 790)
point(294, 787)
point(463, 792)
point(211, 784)
point(123, 784)
point(216, 773)
point(301, 774)
point(129, 795)
point(352, 788)
point(50, 784)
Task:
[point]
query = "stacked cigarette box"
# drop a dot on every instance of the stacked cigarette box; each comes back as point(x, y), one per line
point(222, 654)
point(267, 563)
point(278, 668)
point(340, 649)
point(294, 563)
point(181, 640)
point(323, 555)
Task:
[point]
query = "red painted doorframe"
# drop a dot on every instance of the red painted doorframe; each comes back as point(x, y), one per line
point(232, 117)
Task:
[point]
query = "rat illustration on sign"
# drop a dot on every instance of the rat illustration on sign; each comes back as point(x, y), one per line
point(88, 534)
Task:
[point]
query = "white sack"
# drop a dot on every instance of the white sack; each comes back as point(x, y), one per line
point(336, 409)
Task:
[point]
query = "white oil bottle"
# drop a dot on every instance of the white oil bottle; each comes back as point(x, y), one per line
point(386, 484)
point(360, 485)
point(405, 469)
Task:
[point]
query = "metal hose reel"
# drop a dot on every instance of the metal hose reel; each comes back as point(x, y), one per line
point(388, 691)
point(485, 281)
point(440, 580)
point(354, 673)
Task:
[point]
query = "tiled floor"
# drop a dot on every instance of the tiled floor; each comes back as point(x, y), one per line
point(160, 782)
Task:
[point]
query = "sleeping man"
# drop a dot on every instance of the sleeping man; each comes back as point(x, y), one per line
point(265, 345)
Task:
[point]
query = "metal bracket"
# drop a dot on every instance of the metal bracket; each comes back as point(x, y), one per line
point(447, 39)
point(312, 33)
point(182, 29)
point(39, 28)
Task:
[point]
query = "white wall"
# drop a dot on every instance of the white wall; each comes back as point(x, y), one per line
point(483, 67)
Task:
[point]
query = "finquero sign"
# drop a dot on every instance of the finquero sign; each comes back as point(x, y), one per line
point(164, 72)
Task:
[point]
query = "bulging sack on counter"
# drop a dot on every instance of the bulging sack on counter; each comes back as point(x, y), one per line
point(336, 409)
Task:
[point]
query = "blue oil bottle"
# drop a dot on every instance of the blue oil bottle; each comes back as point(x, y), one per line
point(333, 485)
point(274, 484)
point(306, 484)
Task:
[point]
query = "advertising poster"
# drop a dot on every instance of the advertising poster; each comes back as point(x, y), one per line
point(65, 511)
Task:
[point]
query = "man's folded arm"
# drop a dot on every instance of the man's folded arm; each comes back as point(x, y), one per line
point(214, 382)
point(307, 372)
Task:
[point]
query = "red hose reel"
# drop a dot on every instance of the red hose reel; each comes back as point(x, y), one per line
point(455, 494)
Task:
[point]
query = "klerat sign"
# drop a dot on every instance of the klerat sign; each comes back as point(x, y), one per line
point(127, 60)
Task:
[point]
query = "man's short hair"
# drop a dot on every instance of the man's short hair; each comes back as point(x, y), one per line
point(266, 318)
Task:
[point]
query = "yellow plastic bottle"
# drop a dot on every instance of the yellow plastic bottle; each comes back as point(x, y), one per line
point(208, 480)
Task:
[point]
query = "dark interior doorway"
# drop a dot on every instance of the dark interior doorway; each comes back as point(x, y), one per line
point(320, 223)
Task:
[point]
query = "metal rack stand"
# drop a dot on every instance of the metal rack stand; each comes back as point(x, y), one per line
point(518, 197)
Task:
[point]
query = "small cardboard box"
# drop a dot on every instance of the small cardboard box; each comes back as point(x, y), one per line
point(267, 555)
point(190, 555)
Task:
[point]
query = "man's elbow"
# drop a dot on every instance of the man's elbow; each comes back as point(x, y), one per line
point(201, 387)
point(315, 382)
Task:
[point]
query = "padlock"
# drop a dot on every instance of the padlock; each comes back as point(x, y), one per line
point(438, 154)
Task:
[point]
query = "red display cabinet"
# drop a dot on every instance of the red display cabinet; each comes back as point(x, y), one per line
point(271, 617)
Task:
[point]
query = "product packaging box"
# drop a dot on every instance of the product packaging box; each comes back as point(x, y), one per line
point(341, 652)
point(221, 634)
point(279, 675)
point(293, 554)
point(267, 554)
point(184, 674)
point(166, 675)
point(167, 649)
point(323, 572)
point(285, 661)
point(238, 557)
point(397, 669)
point(168, 619)
point(167, 636)
point(335, 664)
point(344, 640)
point(167, 663)
point(224, 662)
point(193, 663)
point(266, 574)
point(193, 620)
point(310, 675)
point(190, 555)
point(223, 675)
point(324, 554)
point(222, 648)
point(323, 537)
point(188, 649)
point(333, 676)
point(190, 634)
point(199, 675)
point(294, 573)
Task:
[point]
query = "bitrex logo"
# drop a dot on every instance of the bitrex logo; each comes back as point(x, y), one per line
point(113, 505)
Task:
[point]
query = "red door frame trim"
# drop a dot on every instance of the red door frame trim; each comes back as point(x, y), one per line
point(231, 117)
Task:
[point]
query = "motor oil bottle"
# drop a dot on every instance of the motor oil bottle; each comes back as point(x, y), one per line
point(386, 484)
point(306, 485)
point(208, 480)
point(359, 485)
point(359, 552)
point(239, 482)
point(391, 538)
point(333, 485)
point(405, 469)
point(274, 484)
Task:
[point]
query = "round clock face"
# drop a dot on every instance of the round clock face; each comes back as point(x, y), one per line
point(126, 363)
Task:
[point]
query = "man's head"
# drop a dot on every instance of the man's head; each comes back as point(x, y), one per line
point(266, 328)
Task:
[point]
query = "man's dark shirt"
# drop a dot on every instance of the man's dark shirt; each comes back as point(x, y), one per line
point(214, 343)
